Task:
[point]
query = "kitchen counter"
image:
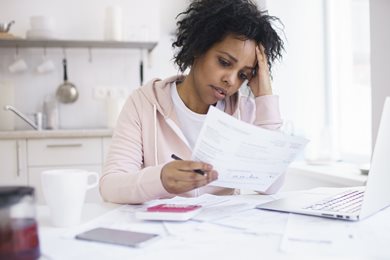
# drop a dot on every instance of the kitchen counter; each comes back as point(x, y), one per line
point(61, 133)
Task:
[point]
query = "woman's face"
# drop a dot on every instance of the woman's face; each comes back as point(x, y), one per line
point(222, 69)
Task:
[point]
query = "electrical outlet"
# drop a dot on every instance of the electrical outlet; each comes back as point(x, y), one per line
point(123, 92)
point(112, 92)
point(100, 92)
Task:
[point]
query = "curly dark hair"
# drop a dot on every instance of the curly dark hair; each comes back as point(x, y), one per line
point(206, 22)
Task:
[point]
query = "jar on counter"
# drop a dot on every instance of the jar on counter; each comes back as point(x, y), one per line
point(50, 111)
point(18, 226)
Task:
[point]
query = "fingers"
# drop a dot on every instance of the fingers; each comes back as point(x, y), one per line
point(198, 179)
point(260, 84)
point(261, 60)
point(192, 166)
point(260, 55)
point(179, 176)
point(178, 186)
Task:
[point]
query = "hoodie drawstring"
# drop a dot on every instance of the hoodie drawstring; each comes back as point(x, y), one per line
point(155, 134)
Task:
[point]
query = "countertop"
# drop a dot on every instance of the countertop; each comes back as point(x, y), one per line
point(61, 133)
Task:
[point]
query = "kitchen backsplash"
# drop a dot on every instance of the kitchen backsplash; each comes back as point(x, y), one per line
point(109, 68)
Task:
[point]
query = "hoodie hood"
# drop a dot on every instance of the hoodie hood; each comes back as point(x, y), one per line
point(158, 93)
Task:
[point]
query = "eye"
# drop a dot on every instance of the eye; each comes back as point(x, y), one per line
point(242, 76)
point(223, 62)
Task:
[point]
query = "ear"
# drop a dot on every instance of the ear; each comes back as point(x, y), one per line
point(195, 61)
point(254, 71)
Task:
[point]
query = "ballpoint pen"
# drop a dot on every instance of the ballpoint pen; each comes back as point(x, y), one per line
point(198, 171)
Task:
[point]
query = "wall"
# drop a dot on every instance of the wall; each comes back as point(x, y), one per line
point(380, 58)
point(109, 67)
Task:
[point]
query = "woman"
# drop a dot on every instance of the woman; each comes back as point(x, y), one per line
point(224, 44)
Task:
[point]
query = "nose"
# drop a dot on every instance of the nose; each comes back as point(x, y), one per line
point(229, 79)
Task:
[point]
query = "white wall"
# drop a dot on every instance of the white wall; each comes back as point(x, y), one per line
point(380, 58)
point(162, 55)
point(84, 20)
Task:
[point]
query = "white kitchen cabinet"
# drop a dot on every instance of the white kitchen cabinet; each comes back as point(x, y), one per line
point(13, 164)
point(25, 154)
point(64, 153)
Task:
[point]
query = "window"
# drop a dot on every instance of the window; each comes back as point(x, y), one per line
point(348, 90)
point(323, 80)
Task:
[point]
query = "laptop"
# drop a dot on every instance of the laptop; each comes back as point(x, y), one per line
point(348, 203)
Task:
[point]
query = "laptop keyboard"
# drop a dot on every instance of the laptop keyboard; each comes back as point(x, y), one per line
point(346, 202)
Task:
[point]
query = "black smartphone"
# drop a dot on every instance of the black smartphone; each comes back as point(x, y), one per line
point(117, 237)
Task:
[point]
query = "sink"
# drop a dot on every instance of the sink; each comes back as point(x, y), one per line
point(37, 124)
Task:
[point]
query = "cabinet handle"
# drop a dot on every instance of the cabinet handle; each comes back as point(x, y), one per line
point(63, 145)
point(18, 166)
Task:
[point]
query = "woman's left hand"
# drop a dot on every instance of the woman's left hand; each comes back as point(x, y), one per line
point(260, 83)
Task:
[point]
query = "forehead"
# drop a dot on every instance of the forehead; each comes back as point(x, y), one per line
point(242, 50)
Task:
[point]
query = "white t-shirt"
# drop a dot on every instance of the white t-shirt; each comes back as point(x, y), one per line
point(190, 122)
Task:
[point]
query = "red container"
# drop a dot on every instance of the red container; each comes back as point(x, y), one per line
point(18, 227)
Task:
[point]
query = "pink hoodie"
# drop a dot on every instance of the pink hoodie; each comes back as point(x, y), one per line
point(147, 133)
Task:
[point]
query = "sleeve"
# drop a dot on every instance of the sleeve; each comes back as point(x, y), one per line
point(124, 180)
point(262, 111)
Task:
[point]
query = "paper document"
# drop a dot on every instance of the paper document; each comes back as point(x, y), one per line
point(256, 221)
point(367, 239)
point(205, 200)
point(245, 156)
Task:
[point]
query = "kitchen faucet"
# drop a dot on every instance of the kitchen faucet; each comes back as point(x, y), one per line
point(37, 125)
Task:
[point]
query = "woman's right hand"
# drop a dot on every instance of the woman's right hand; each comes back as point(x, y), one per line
point(178, 176)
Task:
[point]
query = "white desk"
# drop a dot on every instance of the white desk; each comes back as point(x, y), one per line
point(208, 241)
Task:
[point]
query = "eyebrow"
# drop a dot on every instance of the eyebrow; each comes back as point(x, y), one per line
point(235, 60)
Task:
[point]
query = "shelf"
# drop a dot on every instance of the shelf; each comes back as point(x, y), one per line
point(22, 43)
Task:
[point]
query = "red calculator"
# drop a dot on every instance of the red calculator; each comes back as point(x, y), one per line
point(169, 212)
point(173, 208)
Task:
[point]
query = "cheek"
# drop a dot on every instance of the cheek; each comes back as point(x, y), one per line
point(234, 90)
point(209, 70)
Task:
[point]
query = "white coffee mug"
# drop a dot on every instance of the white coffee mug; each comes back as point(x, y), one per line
point(19, 65)
point(64, 191)
point(40, 22)
point(46, 66)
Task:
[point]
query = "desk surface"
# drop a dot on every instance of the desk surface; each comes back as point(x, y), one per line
point(248, 235)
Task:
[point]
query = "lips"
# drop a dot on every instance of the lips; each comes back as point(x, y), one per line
point(219, 93)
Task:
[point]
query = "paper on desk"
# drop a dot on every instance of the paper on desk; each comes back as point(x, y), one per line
point(245, 156)
point(257, 221)
point(204, 200)
point(321, 236)
point(213, 206)
point(235, 214)
point(222, 210)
